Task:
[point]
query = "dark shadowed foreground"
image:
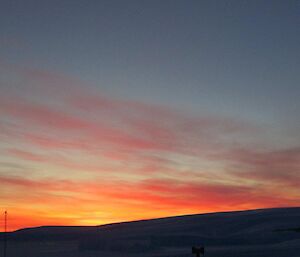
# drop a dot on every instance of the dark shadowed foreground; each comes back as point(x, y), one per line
point(269, 232)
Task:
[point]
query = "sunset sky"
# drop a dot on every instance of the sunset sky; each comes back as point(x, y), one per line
point(124, 110)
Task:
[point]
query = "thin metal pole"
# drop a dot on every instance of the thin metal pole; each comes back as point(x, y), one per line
point(5, 234)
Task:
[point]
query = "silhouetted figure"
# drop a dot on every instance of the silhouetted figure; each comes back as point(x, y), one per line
point(198, 251)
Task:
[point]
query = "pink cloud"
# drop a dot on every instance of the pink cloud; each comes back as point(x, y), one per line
point(56, 159)
point(171, 194)
point(40, 115)
point(277, 167)
point(123, 129)
point(110, 122)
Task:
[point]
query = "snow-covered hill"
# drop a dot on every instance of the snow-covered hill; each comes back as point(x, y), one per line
point(265, 233)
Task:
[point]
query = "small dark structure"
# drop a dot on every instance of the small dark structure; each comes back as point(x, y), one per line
point(198, 250)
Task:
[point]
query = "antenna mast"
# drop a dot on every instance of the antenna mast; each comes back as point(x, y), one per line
point(5, 234)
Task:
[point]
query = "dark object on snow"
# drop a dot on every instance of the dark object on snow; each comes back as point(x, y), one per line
point(198, 250)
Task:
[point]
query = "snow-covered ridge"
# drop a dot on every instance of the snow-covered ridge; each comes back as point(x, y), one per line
point(264, 232)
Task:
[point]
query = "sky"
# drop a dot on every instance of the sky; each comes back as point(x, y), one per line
point(124, 110)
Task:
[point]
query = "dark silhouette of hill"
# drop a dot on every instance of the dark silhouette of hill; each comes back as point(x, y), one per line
point(264, 232)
